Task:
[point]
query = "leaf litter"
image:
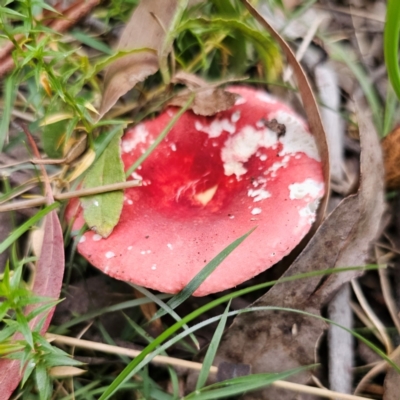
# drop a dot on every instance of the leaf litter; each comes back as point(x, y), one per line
point(123, 74)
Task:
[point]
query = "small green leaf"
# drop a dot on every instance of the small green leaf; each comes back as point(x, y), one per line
point(212, 350)
point(102, 211)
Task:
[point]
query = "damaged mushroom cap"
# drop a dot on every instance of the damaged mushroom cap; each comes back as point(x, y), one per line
point(209, 182)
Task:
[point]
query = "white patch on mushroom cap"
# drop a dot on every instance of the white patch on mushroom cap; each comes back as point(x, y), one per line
point(235, 116)
point(169, 245)
point(309, 211)
point(216, 127)
point(307, 188)
point(239, 148)
point(256, 211)
point(110, 254)
point(139, 136)
point(154, 267)
point(130, 247)
point(266, 98)
point(82, 239)
point(96, 237)
point(258, 194)
point(135, 175)
point(296, 138)
point(173, 146)
point(276, 165)
point(240, 100)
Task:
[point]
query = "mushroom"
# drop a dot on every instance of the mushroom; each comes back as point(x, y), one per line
point(209, 182)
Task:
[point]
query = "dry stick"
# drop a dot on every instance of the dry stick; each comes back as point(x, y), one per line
point(176, 362)
point(49, 197)
point(372, 316)
point(386, 288)
point(59, 24)
point(376, 370)
point(69, 195)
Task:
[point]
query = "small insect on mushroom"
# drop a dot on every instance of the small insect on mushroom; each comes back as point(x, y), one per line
point(255, 164)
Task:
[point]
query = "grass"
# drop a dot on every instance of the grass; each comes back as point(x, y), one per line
point(55, 87)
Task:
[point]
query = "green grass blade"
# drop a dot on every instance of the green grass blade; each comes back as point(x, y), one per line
point(160, 137)
point(116, 307)
point(391, 44)
point(212, 350)
point(191, 287)
point(17, 233)
point(10, 89)
point(91, 41)
point(131, 368)
point(242, 384)
point(340, 54)
point(164, 307)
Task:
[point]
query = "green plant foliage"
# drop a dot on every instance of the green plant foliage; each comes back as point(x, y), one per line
point(391, 44)
point(102, 211)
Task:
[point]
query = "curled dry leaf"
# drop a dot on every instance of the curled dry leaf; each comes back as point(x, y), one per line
point(391, 157)
point(145, 30)
point(209, 99)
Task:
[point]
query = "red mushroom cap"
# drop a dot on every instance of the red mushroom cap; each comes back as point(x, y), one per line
point(209, 182)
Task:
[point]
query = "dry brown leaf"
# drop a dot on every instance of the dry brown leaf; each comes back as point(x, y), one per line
point(370, 201)
point(391, 157)
point(65, 372)
point(149, 310)
point(209, 99)
point(145, 29)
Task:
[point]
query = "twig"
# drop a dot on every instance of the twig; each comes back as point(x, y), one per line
point(176, 362)
point(69, 195)
point(372, 316)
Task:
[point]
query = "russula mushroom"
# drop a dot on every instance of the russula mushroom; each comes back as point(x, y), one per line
point(210, 181)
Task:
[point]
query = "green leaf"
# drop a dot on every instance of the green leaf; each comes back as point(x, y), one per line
point(25, 226)
point(212, 350)
point(53, 138)
point(391, 44)
point(102, 211)
point(43, 382)
point(10, 90)
point(242, 384)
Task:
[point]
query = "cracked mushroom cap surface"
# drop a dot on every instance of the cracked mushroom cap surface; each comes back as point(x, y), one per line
point(209, 182)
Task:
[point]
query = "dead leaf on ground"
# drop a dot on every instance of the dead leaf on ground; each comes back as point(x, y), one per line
point(391, 157)
point(146, 29)
point(209, 98)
